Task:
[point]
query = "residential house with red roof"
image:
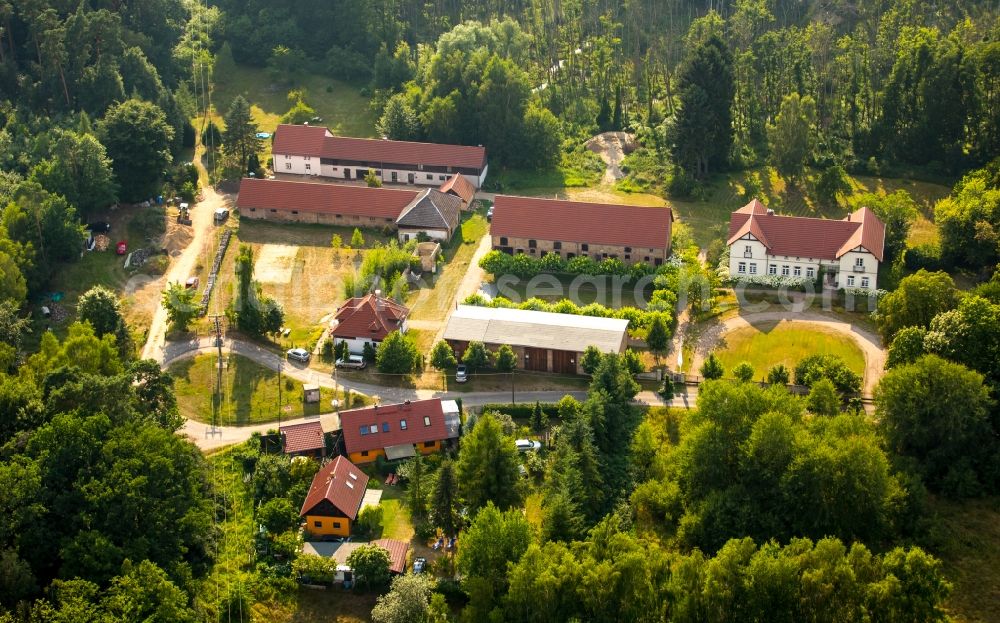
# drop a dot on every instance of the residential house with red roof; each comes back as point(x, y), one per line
point(334, 498)
point(399, 430)
point(367, 320)
point(535, 226)
point(315, 151)
point(305, 439)
point(847, 251)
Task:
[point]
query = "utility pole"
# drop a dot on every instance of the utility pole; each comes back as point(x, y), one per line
point(217, 403)
point(512, 403)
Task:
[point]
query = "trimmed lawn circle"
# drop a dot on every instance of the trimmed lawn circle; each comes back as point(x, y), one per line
point(770, 343)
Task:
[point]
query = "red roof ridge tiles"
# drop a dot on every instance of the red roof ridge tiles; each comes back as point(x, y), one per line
point(322, 198)
point(581, 221)
point(340, 483)
point(304, 437)
point(805, 236)
point(370, 316)
point(413, 412)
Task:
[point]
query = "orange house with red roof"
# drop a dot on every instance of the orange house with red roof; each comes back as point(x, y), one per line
point(334, 499)
point(367, 320)
point(400, 430)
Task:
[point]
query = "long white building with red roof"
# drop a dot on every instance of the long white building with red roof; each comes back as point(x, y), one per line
point(315, 151)
point(848, 251)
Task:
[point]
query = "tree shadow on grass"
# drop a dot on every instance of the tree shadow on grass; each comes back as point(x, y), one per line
point(247, 376)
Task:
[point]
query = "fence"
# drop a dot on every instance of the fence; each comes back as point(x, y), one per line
point(221, 253)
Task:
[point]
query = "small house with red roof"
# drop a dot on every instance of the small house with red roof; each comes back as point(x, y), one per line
point(305, 439)
point(535, 226)
point(334, 499)
point(315, 151)
point(460, 187)
point(848, 251)
point(399, 430)
point(367, 320)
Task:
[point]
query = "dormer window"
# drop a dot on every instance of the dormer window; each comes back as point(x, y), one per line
point(427, 421)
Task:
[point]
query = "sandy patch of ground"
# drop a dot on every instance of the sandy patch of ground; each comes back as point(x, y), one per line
point(612, 147)
point(275, 263)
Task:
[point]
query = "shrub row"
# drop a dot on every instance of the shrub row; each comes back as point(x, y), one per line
point(524, 410)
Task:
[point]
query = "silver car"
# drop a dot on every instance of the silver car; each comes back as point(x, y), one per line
point(352, 361)
point(298, 354)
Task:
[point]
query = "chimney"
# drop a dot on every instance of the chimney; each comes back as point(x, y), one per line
point(770, 212)
point(379, 304)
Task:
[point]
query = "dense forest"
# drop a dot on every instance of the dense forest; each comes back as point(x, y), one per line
point(108, 515)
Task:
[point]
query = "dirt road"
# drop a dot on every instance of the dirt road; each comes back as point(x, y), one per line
point(183, 264)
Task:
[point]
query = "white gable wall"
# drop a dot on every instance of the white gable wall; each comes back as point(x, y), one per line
point(758, 257)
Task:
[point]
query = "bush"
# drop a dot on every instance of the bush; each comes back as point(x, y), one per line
point(523, 411)
point(926, 256)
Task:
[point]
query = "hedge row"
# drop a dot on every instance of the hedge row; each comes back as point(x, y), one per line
point(524, 410)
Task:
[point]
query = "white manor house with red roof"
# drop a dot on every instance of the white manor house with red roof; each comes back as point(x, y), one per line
point(849, 251)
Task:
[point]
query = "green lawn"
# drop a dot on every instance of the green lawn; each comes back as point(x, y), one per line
point(433, 303)
point(968, 535)
point(772, 343)
point(250, 392)
point(343, 109)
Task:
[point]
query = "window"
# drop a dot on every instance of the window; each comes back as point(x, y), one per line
point(627, 256)
point(402, 425)
point(336, 524)
point(503, 241)
point(371, 219)
point(864, 282)
point(427, 420)
point(797, 271)
point(532, 244)
point(556, 245)
point(440, 178)
point(295, 211)
point(388, 220)
point(317, 524)
point(288, 157)
point(772, 269)
point(628, 249)
point(364, 453)
point(449, 169)
point(753, 268)
point(430, 177)
point(860, 261)
point(742, 267)
point(584, 247)
point(364, 431)
point(850, 280)
point(273, 210)
point(810, 272)
point(379, 173)
point(420, 167)
point(532, 251)
point(428, 444)
point(308, 167)
point(784, 270)
point(373, 429)
point(288, 165)
point(748, 250)
point(253, 209)
point(340, 216)
point(658, 261)
point(604, 256)
point(645, 259)
point(306, 157)
point(385, 427)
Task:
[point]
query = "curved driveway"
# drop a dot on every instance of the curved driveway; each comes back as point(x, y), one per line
point(869, 343)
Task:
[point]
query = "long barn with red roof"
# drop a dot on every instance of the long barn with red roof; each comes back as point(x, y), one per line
point(847, 251)
point(315, 151)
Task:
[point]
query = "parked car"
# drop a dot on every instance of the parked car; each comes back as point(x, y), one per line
point(352, 361)
point(298, 354)
point(461, 374)
point(527, 445)
point(489, 214)
point(192, 282)
point(419, 564)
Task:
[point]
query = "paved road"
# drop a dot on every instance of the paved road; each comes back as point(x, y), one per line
point(227, 435)
point(869, 343)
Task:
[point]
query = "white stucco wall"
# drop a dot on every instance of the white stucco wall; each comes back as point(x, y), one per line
point(298, 164)
point(870, 269)
point(284, 163)
point(433, 234)
point(839, 270)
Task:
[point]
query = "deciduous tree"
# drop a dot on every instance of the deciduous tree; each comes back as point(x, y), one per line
point(138, 138)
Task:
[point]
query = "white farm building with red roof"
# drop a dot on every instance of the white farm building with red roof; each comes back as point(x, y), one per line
point(849, 251)
point(315, 151)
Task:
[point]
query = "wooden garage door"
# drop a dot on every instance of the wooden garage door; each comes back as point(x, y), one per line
point(538, 359)
point(563, 362)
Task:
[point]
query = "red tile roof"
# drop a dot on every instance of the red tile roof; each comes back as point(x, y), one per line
point(323, 198)
point(415, 432)
point(397, 553)
point(808, 237)
point(370, 316)
point(459, 186)
point(577, 221)
point(305, 437)
point(300, 140)
point(340, 483)
point(318, 141)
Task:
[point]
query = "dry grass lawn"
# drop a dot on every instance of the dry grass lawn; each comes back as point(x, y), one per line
point(969, 534)
point(769, 344)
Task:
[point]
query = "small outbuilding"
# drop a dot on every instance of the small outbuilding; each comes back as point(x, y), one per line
point(310, 393)
point(305, 439)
